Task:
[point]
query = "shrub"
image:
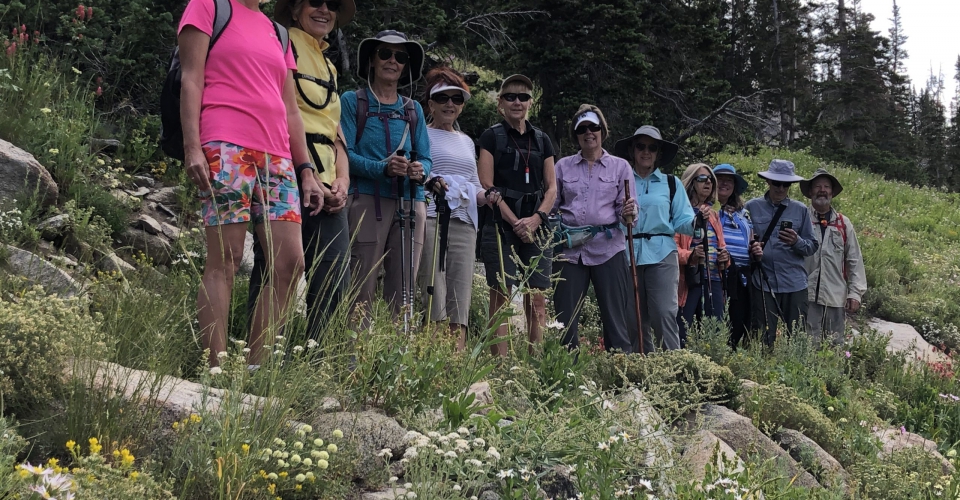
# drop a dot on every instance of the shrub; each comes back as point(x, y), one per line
point(38, 333)
point(674, 381)
point(905, 474)
point(774, 406)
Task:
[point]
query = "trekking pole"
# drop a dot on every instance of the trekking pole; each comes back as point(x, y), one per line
point(706, 266)
point(413, 235)
point(440, 205)
point(633, 267)
point(497, 223)
point(403, 252)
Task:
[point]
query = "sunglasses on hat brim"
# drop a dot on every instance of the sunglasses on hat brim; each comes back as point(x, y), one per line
point(385, 54)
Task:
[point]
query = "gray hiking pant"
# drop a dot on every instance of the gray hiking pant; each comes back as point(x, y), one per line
point(611, 283)
point(789, 307)
point(825, 323)
point(657, 285)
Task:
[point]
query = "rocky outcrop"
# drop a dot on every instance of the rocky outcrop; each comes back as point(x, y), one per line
point(40, 272)
point(893, 440)
point(905, 338)
point(807, 452)
point(706, 448)
point(370, 432)
point(744, 438)
point(156, 247)
point(23, 175)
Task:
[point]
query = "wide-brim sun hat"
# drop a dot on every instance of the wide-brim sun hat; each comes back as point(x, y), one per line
point(443, 87)
point(668, 150)
point(781, 171)
point(807, 184)
point(283, 12)
point(412, 71)
point(740, 184)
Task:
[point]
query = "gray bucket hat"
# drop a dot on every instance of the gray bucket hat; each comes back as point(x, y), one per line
point(413, 70)
point(806, 184)
point(781, 171)
point(668, 150)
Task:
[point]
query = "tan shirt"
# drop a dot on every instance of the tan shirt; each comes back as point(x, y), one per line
point(825, 268)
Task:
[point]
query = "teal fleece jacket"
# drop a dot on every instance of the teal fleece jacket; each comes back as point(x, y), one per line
point(367, 157)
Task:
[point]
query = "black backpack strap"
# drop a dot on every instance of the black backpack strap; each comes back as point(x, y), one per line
point(412, 118)
point(222, 12)
point(363, 106)
point(773, 223)
point(672, 180)
point(500, 133)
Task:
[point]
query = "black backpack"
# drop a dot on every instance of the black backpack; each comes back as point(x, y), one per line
point(171, 129)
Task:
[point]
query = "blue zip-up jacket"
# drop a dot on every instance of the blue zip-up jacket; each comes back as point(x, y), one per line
point(653, 196)
point(367, 159)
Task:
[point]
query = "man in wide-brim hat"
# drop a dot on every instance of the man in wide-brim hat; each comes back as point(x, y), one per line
point(779, 285)
point(835, 273)
point(664, 211)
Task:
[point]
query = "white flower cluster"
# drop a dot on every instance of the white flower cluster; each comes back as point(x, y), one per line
point(10, 221)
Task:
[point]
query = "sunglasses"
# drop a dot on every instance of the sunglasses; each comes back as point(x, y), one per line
point(703, 178)
point(591, 127)
point(780, 184)
point(385, 54)
point(639, 146)
point(443, 98)
point(332, 5)
point(513, 97)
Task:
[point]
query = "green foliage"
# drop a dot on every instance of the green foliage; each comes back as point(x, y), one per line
point(674, 381)
point(774, 406)
point(906, 474)
point(38, 335)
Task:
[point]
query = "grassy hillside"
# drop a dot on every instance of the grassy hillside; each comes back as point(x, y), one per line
point(909, 238)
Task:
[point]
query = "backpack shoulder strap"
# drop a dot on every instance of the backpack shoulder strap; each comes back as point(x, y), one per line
point(411, 117)
point(672, 182)
point(363, 106)
point(222, 12)
point(501, 145)
point(842, 226)
point(283, 35)
point(773, 223)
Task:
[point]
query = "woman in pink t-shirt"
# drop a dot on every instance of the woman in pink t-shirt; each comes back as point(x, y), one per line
point(242, 136)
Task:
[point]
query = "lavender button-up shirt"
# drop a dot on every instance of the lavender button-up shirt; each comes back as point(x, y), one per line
point(593, 196)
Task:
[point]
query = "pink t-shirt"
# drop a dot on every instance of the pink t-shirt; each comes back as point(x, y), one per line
point(242, 99)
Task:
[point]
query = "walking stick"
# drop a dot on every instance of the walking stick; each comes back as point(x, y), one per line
point(633, 267)
point(706, 266)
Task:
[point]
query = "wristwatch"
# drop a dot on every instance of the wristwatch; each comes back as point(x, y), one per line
point(304, 166)
point(543, 216)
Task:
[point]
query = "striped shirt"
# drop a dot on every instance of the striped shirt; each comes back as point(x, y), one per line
point(453, 154)
point(736, 231)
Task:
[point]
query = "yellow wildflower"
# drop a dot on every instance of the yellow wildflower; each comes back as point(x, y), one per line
point(95, 446)
point(75, 70)
point(194, 418)
point(134, 475)
point(176, 426)
point(283, 474)
point(298, 487)
point(71, 444)
point(245, 447)
point(53, 151)
point(45, 110)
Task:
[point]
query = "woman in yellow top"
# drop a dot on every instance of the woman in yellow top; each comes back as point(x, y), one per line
point(326, 238)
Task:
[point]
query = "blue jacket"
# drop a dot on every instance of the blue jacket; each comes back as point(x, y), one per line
point(653, 196)
point(367, 159)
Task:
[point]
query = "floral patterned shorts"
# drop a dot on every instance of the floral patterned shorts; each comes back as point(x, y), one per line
point(243, 181)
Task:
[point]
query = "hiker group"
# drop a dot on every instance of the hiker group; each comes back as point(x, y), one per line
point(372, 186)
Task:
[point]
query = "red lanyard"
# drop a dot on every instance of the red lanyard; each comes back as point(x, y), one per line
point(526, 159)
